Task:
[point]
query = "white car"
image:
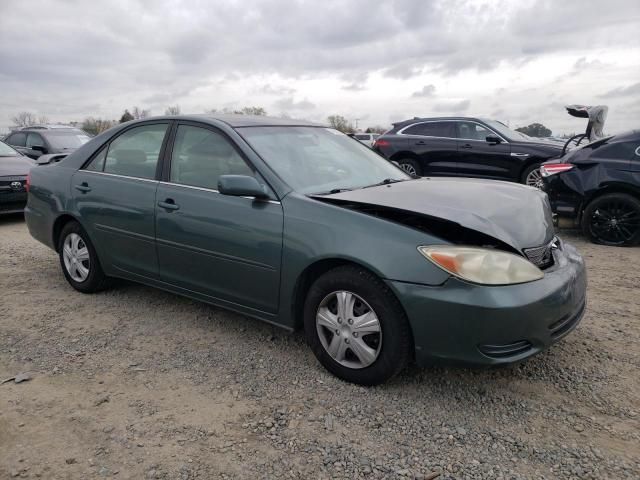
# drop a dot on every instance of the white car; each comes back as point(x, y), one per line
point(367, 138)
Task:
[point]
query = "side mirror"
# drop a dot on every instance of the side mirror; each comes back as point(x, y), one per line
point(493, 140)
point(39, 148)
point(241, 186)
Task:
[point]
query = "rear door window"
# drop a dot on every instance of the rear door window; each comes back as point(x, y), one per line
point(135, 152)
point(432, 129)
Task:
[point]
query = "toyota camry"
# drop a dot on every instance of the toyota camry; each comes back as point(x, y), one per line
point(296, 224)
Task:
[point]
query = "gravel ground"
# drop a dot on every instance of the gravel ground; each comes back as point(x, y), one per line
point(139, 383)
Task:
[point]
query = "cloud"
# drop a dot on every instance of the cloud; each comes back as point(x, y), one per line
point(269, 89)
point(427, 91)
point(633, 89)
point(402, 72)
point(452, 106)
point(288, 104)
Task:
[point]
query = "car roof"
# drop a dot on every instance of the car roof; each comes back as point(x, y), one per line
point(239, 120)
point(627, 136)
point(53, 131)
point(432, 119)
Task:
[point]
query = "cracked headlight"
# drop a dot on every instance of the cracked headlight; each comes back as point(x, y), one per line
point(482, 265)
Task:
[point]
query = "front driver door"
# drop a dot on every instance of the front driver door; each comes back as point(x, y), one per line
point(224, 247)
point(479, 158)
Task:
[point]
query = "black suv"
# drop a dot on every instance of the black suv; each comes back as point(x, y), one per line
point(598, 187)
point(466, 147)
point(36, 141)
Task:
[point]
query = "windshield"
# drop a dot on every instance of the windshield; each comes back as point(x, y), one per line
point(71, 140)
point(320, 160)
point(7, 151)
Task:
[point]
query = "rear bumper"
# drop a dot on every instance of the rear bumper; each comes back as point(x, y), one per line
point(470, 324)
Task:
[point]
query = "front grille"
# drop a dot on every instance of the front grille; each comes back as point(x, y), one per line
point(542, 256)
point(506, 350)
point(566, 323)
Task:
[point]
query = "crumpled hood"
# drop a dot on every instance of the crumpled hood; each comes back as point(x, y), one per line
point(515, 214)
point(15, 166)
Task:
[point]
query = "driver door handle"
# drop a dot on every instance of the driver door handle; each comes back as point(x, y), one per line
point(169, 204)
point(466, 145)
point(83, 187)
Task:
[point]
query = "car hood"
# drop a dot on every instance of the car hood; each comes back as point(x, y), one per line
point(514, 214)
point(15, 166)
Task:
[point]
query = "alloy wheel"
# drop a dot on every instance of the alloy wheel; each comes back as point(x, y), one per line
point(407, 167)
point(75, 255)
point(349, 329)
point(615, 222)
point(534, 179)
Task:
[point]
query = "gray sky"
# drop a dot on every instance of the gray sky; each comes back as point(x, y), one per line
point(515, 61)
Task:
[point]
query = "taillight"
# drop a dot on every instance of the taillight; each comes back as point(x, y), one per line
point(381, 143)
point(27, 184)
point(553, 168)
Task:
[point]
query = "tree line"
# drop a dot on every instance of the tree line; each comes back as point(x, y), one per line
point(96, 125)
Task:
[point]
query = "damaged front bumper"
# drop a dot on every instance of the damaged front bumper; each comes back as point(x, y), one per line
point(459, 322)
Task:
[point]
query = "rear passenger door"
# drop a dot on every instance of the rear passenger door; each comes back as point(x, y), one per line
point(114, 196)
point(227, 248)
point(435, 145)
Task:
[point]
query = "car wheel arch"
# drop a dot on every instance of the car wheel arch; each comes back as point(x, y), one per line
point(609, 189)
point(309, 275)
point(58, 225)
point(404, 154)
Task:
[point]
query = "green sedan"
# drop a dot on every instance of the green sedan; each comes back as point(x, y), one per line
point(301, 226)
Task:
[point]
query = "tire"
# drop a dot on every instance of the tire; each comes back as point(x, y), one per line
point(85, 258)
point(613, 219)
point(411, 166)
point(388, 350)
point(532, 171)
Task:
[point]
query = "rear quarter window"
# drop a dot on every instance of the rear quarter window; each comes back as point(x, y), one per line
point(616, 151)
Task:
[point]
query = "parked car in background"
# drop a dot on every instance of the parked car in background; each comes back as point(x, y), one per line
point(14, 168)
point(298, 225)
point(367, 138)
point(465, 147)
point(598, 187)
point(39, 140)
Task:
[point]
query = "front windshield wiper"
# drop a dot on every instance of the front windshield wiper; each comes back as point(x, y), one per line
point(386, 181)
point(335, 190)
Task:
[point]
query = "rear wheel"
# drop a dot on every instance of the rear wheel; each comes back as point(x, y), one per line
point(410, 166)
point(532, 176)
point(356, 326)
point(79, 260)
point(613, 219)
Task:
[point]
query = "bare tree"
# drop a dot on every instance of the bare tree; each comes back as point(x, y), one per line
point(43, 120)
point(24, 119)
point(340, 123)
point(139, 113)
point(251, 111)
point(94, 126)
point(174, 110)
point(376, 129)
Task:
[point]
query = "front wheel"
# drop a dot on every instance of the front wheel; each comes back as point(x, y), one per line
point(356, 327)
point(613, 219)
point(79, 260)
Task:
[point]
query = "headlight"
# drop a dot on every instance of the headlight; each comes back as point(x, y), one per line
point(482, 265)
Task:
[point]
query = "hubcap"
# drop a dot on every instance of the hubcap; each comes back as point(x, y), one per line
point(410, 169)
point(349, 329)
point(615, 222)
point(534, 179)
point(75, 255)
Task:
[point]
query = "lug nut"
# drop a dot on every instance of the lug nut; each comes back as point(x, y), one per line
point(339, 320)
point(346, 340)
point(350, 321)
point(355, 334)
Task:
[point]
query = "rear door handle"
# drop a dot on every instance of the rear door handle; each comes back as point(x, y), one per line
point(466, 145)
point(168, 204)
point(83, 187)
point(421, 142)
